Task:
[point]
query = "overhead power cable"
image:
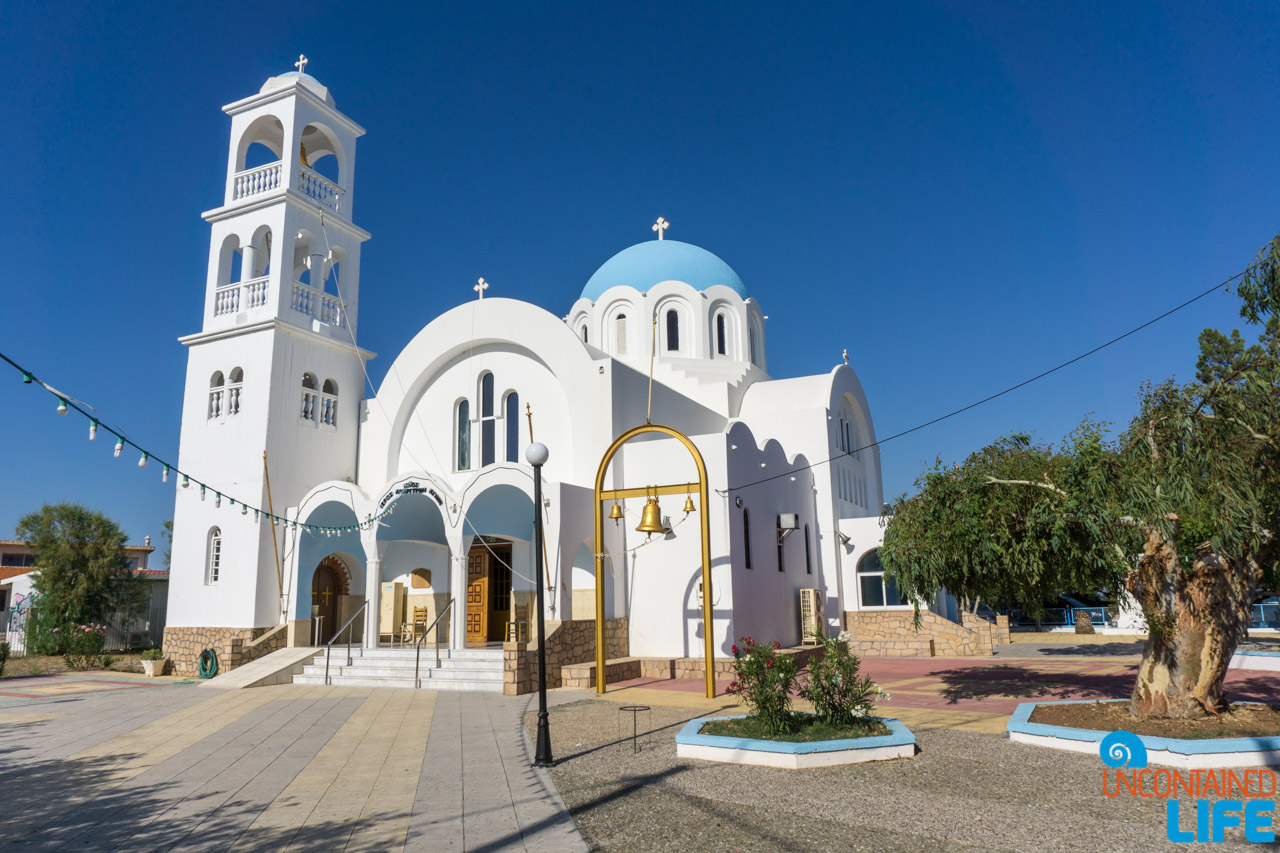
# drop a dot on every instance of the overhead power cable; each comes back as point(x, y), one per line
point(792, 472)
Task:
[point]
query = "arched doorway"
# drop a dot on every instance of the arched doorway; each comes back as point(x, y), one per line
point(328, 583)
point(488, 590)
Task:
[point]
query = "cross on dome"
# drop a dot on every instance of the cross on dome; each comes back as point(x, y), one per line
point(661, 226)
point(301, 64)
point(480, 287)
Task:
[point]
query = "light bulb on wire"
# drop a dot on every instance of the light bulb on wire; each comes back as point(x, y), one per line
point(62, 405)
point(119, 447)
point(93, 429)
point(164, 475)
point(142, 460)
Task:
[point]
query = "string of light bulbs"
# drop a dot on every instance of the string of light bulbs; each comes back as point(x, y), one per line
point(67, 403)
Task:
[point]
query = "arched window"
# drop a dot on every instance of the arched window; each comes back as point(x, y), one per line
point(464, 435)
point(721, 342)
point(329, 403)
point(217, 397)
point(513, 427)
point(751, 344)
point(808, 552)
point(673, 330)
point(308, 397)
point(213, 557)
point(746, 537)
point(488, 422)
point(875, 590)
point(620, 333)
point(233, 391)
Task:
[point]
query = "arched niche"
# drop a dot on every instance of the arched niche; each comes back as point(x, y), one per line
point(323, 153)
point(261, 143)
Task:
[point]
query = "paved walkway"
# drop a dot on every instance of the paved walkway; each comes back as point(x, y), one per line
point(174, 767)
point(966, 694)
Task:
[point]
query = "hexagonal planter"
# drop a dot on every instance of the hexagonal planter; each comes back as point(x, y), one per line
point(1185, 753)
point(899, 743)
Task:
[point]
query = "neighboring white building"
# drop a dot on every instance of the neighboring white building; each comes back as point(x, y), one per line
point(276, 367)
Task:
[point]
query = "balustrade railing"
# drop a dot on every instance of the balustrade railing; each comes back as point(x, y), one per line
point(314, 303)
point(233, 399)
point(315, 186)
point(242, 295)
point(215, 403)
point(328, 410)
point(251, 182)
point(308, 404)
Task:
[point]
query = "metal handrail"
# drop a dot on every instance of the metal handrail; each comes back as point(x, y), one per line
point(417, 655)
point(328, 648)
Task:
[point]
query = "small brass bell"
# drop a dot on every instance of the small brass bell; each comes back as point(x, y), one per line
point(688, 504)
point(651, 519)
point(616, 512)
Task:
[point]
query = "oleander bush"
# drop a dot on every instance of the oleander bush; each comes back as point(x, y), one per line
point(764, 680)
point(84, 645)
point(839, 695)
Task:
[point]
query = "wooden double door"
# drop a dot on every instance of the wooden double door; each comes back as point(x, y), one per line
point(488, 591)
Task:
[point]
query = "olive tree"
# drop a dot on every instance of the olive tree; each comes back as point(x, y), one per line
point(1181, 508)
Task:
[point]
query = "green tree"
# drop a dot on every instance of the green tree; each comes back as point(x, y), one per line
point(166, 533)
point(84, 575)
point(1183, 509)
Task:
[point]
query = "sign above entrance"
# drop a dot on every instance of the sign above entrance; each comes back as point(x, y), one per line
point(411, 487)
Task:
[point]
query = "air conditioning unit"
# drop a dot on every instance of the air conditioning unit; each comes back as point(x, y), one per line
point(811, 621)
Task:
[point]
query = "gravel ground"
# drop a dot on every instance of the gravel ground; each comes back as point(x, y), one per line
point(962, 791)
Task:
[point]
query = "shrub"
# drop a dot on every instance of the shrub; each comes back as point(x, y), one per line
point(84, 646)
point(839, 696)
point(4, 655)
point(45, 636)
point(153, 654)
point(764, 679)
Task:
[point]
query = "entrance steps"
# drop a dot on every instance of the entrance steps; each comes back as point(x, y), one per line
point(460, 669)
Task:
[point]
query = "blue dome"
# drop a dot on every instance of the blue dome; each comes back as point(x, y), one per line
point(653, 261)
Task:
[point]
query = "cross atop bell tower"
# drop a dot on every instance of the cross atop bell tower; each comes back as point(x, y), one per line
point(284, 244)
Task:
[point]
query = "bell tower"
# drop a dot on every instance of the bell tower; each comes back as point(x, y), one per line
point(275, 368)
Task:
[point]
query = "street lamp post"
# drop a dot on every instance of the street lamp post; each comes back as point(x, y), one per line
point(537, 455)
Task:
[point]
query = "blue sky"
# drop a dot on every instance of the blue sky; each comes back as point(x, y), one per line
point(961, 198)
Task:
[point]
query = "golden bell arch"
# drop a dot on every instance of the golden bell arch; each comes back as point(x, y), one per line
point(652, 492)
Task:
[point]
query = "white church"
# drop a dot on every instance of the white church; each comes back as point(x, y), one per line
point(417, 502)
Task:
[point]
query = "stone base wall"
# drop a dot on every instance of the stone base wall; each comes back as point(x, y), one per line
point(894, 633)
point(234, 647)
point(583, 675)
point(569, 641)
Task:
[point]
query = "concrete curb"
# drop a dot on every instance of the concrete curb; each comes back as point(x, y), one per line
point(1188, 754)
point(899, 743)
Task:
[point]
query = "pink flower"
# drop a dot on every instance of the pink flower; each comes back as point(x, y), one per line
point(769, 663)
point(734, 649)
point(777, 645)
point(55, 630)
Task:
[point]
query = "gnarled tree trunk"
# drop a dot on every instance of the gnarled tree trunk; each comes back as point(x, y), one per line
point(1195, 621)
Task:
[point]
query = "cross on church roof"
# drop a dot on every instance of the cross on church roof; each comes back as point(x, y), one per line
point(660, 226)
point(480, 287)
point(301, 64)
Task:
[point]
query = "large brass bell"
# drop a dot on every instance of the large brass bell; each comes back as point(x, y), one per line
point(651, 519)
point(616, 512)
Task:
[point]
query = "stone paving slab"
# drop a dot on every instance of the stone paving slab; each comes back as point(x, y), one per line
point(284, 767)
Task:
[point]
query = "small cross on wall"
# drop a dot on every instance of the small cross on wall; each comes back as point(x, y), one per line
point(301, 64)
point(480, 287)
point(661, 226)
